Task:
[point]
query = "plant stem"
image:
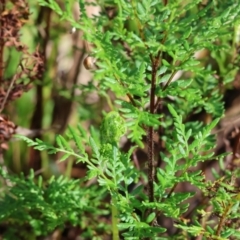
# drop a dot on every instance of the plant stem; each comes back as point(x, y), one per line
point(14, 78)
point(223, 218)
point(150, 164)
point(2, 8)
point(69, 168)
point(155, 64)
point(114, 221)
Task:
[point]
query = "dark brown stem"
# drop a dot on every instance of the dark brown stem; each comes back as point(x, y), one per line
point(131, 99)
point(135, 160)
point(235, 150)
point(169, 80)
point(36, 121)
point(172, 190)
point(150, 164)
point(160, 141)
point(155, 64)
point(2, 8)
point(44, 16)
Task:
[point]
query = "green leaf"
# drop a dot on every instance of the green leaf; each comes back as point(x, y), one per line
point(187, 33)
point(64, 157)
point(165, 63)
point(77, 139)
point(151, 217)
point(62, 143)
point(172, 111)
point(94, 147)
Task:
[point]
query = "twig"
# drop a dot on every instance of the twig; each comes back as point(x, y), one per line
point(8, 92)
point(235, 149)
point(2, 8)
point(222, 219)
point(155, 64)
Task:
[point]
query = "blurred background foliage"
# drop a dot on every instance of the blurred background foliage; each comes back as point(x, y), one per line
point(58, 98)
